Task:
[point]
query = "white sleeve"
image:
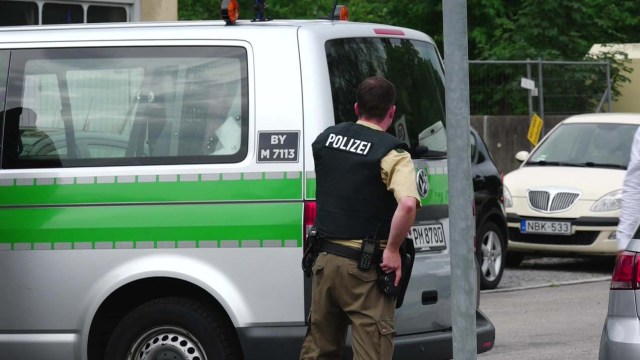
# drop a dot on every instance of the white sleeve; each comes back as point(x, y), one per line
point(630, 212)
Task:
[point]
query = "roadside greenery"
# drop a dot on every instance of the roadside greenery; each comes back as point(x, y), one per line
point(497, 29)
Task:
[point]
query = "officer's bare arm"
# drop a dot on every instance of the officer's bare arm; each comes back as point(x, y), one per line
point(402, 220)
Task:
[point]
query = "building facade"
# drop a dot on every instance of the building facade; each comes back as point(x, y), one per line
point(628, 100)
point(44, 12)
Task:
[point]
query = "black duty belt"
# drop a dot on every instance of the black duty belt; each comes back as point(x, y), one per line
point(340, 250)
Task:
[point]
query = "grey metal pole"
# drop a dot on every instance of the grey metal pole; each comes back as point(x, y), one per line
point(463, 269)
point(540, 89)
point(609, 86)
point(529, 96)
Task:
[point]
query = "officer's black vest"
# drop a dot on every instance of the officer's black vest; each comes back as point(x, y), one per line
point(352, 200)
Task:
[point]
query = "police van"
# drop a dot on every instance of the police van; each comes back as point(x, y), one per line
point(157, 183)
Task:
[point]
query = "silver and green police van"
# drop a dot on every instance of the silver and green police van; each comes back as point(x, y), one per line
point(156, 183)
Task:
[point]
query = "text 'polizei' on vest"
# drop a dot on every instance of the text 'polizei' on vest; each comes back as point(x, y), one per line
point(355, 146)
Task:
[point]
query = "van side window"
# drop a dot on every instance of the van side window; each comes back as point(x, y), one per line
point(126, 106)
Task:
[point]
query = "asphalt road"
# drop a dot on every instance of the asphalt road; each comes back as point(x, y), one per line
point(549, 271)
point(549, 309)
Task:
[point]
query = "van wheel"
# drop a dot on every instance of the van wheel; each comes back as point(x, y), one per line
point(490, 253)
point(173, 328)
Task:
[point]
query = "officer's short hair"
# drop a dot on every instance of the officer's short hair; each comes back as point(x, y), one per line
point(375, 95)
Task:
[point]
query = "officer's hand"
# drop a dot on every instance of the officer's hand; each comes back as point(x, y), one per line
point(391, 262)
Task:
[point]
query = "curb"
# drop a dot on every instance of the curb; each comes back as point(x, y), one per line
point(554, 284)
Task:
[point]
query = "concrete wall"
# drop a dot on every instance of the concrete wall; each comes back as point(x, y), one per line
point(159, 10)
point(506, 135)
point(628, 102)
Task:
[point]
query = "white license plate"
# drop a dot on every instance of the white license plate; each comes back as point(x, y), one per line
point(545, 227)
point(428, 237)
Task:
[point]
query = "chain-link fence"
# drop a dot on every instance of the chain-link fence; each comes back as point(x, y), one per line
point(557, 87)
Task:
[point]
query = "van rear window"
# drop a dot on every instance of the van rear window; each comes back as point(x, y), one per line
point(126, 106)
point(19, 13)
point(415, 69)
point(100, 14)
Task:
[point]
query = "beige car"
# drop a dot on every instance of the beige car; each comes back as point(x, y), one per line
point(565, 198)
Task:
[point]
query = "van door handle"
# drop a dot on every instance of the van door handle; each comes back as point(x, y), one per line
point(429, 297)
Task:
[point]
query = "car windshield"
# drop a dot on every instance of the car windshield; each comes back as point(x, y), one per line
point(586, 145)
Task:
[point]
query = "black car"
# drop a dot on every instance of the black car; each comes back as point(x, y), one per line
point(491, 223)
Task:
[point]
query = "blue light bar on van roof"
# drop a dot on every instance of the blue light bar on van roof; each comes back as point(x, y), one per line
point(260, 7)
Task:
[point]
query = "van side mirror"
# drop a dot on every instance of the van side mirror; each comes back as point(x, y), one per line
point(420, 151)
point(522, 155)
point(423, 152)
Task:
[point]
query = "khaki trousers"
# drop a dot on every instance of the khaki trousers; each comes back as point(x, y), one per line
point(342, 294)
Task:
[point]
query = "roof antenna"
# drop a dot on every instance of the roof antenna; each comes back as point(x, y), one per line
point(332, 15)
point(260, 7)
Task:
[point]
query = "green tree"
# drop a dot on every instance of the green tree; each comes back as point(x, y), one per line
point(198, 9)
point(557, 30)
point(497, 30)
point(290, 9)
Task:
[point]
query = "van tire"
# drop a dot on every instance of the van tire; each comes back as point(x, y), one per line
point(169, 326)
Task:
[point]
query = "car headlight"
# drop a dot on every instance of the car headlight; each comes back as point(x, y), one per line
point(507, 197)
point(611, 201)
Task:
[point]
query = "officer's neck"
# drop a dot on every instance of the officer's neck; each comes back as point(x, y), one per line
point(376, 122)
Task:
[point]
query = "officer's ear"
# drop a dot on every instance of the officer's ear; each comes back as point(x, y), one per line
point(388, 119)
point(356, 109)
point(390, 115)
point(392, 112)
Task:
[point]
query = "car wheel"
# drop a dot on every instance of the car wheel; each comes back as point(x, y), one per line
point(490, 255)
point(172, 328)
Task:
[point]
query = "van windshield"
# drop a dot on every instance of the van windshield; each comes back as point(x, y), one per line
point(415, 69)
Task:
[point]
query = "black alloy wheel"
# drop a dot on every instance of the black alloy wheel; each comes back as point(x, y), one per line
point(490, 254)
point(173, 328)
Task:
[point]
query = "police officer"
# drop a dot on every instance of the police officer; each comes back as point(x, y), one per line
point(366, 185)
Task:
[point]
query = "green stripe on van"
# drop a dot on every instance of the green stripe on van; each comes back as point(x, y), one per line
point(311, 188)
point(152, 188)
point(438, 190)
point(152, 226)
